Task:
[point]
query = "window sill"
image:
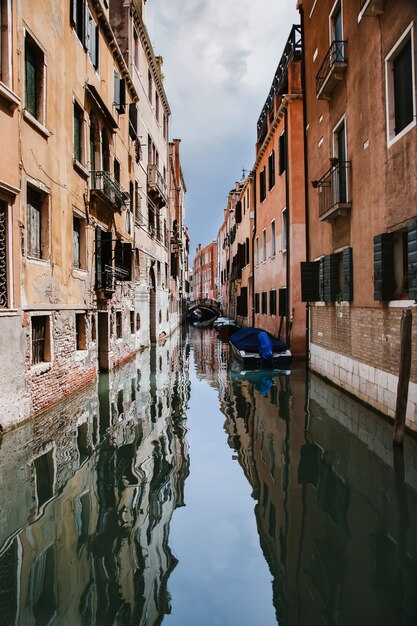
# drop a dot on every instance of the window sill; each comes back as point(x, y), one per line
point(392, 139)
point(80, 169)
point(401, 304)
point(42, 130)
point(80, 271)
point(40, 368)
point(36, 261)
point(9, 312)
point(13, 101)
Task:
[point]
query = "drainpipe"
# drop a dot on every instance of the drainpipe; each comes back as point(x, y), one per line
point(306, 189)
point(287, 227)
point(253, 246)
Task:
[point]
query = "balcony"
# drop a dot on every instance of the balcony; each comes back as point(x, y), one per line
point(110, 275)
point(332, 70)
point(108, 189)
point(334, 191)
point(156, 185)
point(371, 8)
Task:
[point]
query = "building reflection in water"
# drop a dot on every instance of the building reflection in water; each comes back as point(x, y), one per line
point(336, 512)
point(87, 493)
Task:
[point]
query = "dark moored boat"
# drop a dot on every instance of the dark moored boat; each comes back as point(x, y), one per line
point(255, 349)
point(225, 327)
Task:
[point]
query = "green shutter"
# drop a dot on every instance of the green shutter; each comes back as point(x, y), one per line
point(412, 258)
point(347, 287)
point(116, 100)
point(331, 277)
point(383, 267)
point(310, 285)
point(30, 78)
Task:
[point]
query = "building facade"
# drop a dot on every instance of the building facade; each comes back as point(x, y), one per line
point(360, 77)
point(84, 223)
point(205, 273)
point(279, 224)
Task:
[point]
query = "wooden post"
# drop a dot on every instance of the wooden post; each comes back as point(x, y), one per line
point(403, 377)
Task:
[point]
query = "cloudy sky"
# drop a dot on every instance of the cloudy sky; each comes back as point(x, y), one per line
point(220, 57)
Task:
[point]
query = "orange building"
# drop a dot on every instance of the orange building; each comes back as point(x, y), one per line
point(360, 91)
point(204, 273)
point(279, 218)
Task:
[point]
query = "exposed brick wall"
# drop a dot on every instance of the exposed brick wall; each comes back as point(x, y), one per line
point(368, 335)
point(69, 370)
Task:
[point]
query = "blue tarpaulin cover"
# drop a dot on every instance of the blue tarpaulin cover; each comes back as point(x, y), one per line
point(264, 346)
point(247, 339)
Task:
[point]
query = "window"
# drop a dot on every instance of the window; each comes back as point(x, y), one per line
point(264, 303)
point(264, 244)
point(119, 93)
point(262, 185)
point(391, 264)
point(86, 29)
point(273, 242)
point(136, 48)
point(157, 105)
point(400, 88)
point(4, 300)
point(256, 302)
point(5, 42)
point(273, 302)
point(34, 79)
point(78, 243)
point(271, 170)
point(257, 251)
point(150, 87)
point(37, 223)
point(118, 324)
point(40, 339)
point(133, 120)
point(132, 322)
point(282, 154)
point(329, 279)
point(116, 170)
point(78, 132)
point(284, 230)
point(81, 331)
point(165, 127)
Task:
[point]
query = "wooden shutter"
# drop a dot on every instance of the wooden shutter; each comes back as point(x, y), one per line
point(73, 13)
point(282, 154)
point(31, 78)
point(347, 287)
point(122, 97)
point(244, 301)
point(99, 260)
point(310, 284)
point(383, 267)
point(173, 265)
point(86, 34)
point(331, 277)
point(94, 44)
point(282, 301)
point(133, 120)
point(412, 258)
point(238, 212)
point(116, 90)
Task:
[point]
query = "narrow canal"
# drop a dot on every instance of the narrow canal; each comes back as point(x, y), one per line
point(178, 490)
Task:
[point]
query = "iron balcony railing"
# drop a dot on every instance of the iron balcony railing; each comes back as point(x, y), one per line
point(111, 274)
point(156, 182)
point(109, 189)
point(334, 57)
point(333, 189)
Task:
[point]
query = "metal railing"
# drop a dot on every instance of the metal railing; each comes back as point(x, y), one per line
point(333, 187)
point(111, 274)
point(109, 189)
point(156, 181)
point(335, 54)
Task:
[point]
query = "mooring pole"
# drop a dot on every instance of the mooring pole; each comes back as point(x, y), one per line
point(403, 378)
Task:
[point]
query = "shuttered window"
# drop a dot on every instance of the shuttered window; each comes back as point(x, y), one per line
point(282, 304)
point(271, 170)
point(347, 286)
point(34, 77)
point(119, 93)
point(273, 302)
point(86, 29)
point(76, 228)
point(282, 155)
point(78, 132)
point(37, 243)
point(310, 281)
point(403, 88)
point(133, 120)
point(173, 265)
point(256, 302)
point(238, 212)
point(383, 267)
point(412, 259)
point(264, 303)
point(331, 277)
point(262, 185)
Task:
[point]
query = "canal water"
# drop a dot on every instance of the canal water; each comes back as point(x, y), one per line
point(180, 490)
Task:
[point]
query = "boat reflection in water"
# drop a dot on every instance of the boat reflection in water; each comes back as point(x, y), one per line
point(336, 511)
point(87, 492)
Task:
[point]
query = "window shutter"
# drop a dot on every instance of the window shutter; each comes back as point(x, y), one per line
point(347, 287)
point(330, 277)
point(133, 120)
point(310, 284)
point(73, 12)
point(116, 90)
point(247, 251)
point(244, 301)
point(383, 267)
point(94, 45)
point(238, 212)
point(122, 97)
point(282, 302)
point(118, 253)
point(173, 265)
point(412, 258)
point(86, 30)
point(127, 260)
point(282, 154)
point(99, 261)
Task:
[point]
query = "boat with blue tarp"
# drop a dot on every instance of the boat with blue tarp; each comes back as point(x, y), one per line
point(255, 348)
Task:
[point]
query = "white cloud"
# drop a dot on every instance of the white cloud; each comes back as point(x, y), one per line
point(219, 62)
